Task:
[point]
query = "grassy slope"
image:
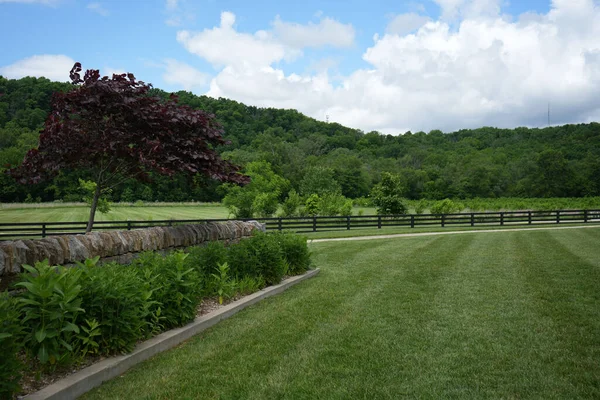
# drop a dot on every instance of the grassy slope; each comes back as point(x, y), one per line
point(497, 315)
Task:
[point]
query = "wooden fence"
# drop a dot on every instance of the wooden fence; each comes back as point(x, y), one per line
point(316, 224)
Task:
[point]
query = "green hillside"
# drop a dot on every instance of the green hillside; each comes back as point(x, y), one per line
point(486, 162)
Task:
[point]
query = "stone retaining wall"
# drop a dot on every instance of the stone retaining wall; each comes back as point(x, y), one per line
point(117, 245)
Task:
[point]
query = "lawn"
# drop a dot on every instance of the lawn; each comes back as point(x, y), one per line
point(481, 315)
point(74, 213)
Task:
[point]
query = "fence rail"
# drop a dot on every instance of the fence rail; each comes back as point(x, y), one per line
point(315, 224)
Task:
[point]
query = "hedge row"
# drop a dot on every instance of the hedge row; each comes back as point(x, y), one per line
point(67, 314)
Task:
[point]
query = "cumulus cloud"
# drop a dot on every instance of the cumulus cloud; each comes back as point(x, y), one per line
point(484, 70)
point(403, 24)
point(183, 75)
point(172, 4)
point(223, 45)
point(327, 32)
point(52, 66)
point(98, 9)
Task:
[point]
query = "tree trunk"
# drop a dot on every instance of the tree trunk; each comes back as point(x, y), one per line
point(90, 223)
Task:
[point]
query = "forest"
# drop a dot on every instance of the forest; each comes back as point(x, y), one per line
point(557, 161)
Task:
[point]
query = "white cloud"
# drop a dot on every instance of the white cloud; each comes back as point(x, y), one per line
point(483, 70)
point(98, 9)
point(327, 32)
point(223, 45)
point(53, 67)
point(452, 9)
point(172, 4)
point(402, 24)
point(183, 75)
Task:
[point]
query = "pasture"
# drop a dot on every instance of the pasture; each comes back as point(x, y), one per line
point(478, 315)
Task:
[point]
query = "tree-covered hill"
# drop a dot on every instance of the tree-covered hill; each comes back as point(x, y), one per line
point(486, 162)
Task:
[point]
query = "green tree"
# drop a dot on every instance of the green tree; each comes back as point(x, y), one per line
point(258, 198)
point(388, 195)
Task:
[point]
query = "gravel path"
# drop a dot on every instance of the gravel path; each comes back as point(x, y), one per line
point(400, 235)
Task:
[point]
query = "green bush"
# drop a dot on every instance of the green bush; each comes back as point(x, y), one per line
point(116, 297)
point(259, 255)
point(445, 206)
point(10, 332)
point(179, 289)
point(295, 252)
point(50, 306)
point(290, 206)
point(205, 259)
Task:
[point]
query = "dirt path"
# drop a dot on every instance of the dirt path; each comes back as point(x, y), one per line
point(400, 235)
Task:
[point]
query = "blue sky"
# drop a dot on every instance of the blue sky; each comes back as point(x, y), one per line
point(375, 65)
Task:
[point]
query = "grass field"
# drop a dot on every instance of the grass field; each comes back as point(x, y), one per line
point(482, 315)
point(77, 212)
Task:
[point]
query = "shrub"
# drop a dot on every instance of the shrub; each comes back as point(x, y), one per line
point(10, 332)
point(295, 252)
point(50, 307)
point(420, 206)
point(205, 259)
point(387, 195)
point(445, 206)
point(259, 255)
point(290, 206)
point(177, 286)
point(116, 297)
point(249, 285)
point(312, 204)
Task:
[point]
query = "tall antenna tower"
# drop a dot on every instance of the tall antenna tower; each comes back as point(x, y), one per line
point(548, 113)
point(327, 118)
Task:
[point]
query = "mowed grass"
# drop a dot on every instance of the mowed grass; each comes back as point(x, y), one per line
point(484, 315)
point(76, 213)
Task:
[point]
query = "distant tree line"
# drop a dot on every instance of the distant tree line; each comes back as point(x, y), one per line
point(310, 157)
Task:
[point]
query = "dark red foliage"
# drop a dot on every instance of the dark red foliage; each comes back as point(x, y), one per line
point(113, 127)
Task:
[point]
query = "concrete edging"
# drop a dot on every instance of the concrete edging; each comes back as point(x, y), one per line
point(88, 378)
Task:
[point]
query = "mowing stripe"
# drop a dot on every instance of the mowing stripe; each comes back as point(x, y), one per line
point(400, 235)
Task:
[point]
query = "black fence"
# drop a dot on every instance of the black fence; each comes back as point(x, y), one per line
point(320, 224)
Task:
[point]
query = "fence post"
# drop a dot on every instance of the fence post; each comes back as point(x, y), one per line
point(314, 223)
point(443, 220)
point(128, 225)
point(585, 216)
point(501, 218)
point(379, 222)
point(170, 222)
point(348, 222)
point(279, 224)
point(43, 230)
point(472, 219)
point(529, 215)
point(558, 216)
point(412, 221)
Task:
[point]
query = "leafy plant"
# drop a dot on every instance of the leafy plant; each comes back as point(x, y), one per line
point(50, 306)
point(223, 284)
point(248, 285)
point(289, 208)
point(115, 297)
point(10, 334)
point(206, 258)
point(178, 288)
point(259, 255)
point(87, 344)
point(295, 252)
point(387, 195)
point(445, 206)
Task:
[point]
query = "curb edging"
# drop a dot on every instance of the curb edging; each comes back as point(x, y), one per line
point(90, 377)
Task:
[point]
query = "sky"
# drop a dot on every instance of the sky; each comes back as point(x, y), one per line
point(389, 66)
